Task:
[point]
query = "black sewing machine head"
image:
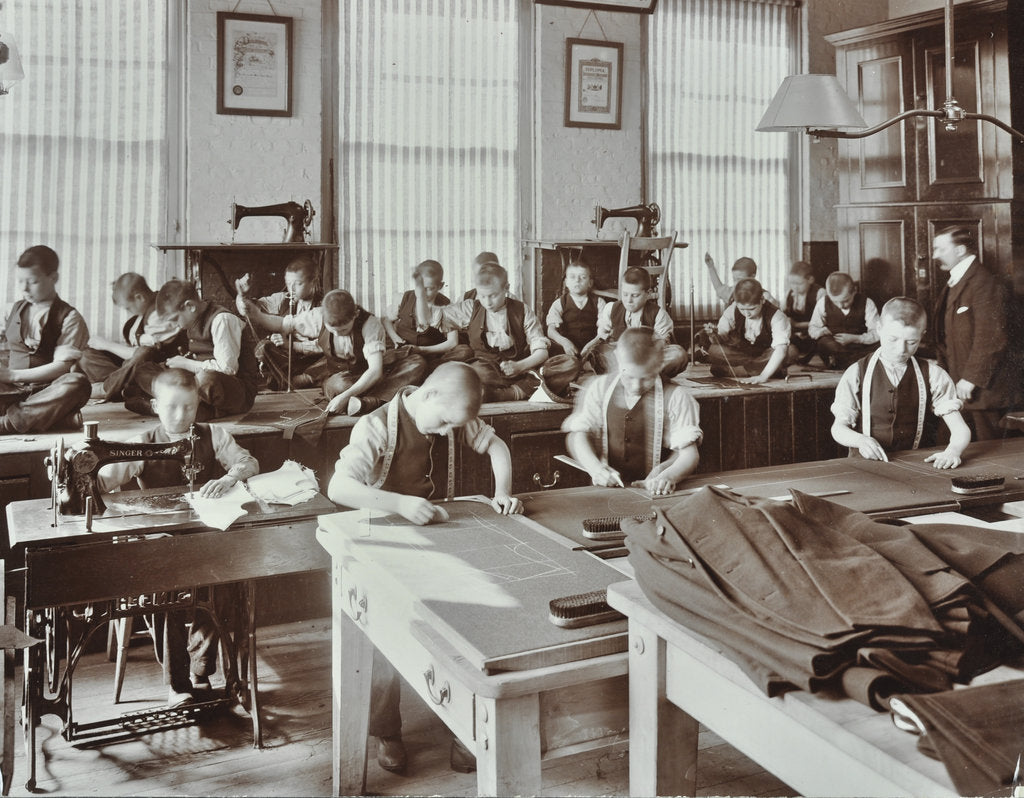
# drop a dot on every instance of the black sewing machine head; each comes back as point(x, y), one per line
point(647, 217)
point(73, 471)
point(299, 217)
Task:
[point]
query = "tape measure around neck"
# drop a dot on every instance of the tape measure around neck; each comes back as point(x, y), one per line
point(659, 419)
point(865, 399)
point(392, 443)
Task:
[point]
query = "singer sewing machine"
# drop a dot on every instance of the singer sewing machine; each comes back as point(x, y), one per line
point(73, 472)
point(647, 217)
point(298, 217)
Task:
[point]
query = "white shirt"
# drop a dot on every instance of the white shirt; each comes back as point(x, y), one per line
point(662, 322)
point(847, 408)
point(816, 328)
point(226, 333)
point(781, 326)
point(458, 314)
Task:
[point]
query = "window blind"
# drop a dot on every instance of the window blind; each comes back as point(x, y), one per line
point(428, 125)
point(714, 65)
point(82, 145)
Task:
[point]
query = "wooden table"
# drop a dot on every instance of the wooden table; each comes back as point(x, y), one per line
point(460, 610)
point(146, 554)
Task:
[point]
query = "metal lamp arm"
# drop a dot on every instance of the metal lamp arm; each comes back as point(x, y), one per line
point(998, 123)
point(860, 134)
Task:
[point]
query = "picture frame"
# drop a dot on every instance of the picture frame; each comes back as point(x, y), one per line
point(254, 64)
point(593, 84)
point(636, 6)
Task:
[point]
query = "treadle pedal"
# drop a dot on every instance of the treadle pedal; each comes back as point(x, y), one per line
point(160, 717)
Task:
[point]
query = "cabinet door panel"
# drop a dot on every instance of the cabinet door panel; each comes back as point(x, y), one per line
point(879, 250)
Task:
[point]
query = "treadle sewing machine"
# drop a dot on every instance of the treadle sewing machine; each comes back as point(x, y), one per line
point(89, 562)
point(298, 217)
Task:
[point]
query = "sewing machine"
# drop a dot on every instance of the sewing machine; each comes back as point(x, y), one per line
point(74, 488)
point(299, 217)
point(647, 217)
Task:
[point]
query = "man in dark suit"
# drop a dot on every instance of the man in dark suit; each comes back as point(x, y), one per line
point(972, 332)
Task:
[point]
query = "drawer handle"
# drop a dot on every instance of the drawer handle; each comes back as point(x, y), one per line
point(540, 481)
point(444, 692)
point(356, 605)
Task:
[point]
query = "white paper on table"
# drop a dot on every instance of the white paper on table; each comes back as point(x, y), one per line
point(223, 511)
point(291, 484)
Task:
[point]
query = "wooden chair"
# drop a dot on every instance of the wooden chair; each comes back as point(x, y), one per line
point(656, 255)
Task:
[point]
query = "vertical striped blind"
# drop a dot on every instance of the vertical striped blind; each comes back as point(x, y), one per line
point(82, 145)
point(428, 141)
point(714, 66)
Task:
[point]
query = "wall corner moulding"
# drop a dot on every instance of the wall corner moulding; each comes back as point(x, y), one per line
point(636, 6)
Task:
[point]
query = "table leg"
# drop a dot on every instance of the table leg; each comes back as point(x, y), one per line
point(254, 701)
point(662, 738)
point(9, 705)
point(351, 673)
point(33, 688)
point(508, 746)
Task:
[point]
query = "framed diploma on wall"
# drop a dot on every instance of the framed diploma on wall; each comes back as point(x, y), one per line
point(254, 64)
point(593, 84)
point(642, 6)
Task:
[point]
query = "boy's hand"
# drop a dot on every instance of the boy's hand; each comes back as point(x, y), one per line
point(870, 449)
point(709, 260)
point(277, 339)
point(943, 459)
point(182, 362)
point(242, 285)
point(420, 511)
point(589, 347)
point(964, 390)
point(339, 405)
point(757, 379)
point(510, 368)
point(607, 477)
point(659, 486)
point(846, 338)
point(217, 487)
point(506, 505)
point(417, 284)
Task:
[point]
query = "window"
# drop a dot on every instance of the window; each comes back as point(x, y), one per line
point(83, 149)
point(428, 141)
point(714, 66)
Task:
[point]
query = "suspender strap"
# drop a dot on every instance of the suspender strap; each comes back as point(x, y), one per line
point(865, 397)
point(659, 420)
point(392, 443)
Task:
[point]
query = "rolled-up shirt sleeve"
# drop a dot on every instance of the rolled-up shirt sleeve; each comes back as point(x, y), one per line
point(72, 340)
point(944, 398)
point(374, 337)
point(816, 326)
point(234, 459)
point(781, 330)
point(226, 332)
point(361, 458)
point(683, 413)
point(456, 316)
point(308, 323)
point(604, 322)
point(663, 325)
point(846, 405)
point(534, 332)
point(588, 413)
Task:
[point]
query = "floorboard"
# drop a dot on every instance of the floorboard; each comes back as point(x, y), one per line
point(217, 757)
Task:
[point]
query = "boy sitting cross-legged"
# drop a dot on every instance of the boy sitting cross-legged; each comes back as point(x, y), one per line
point(844, 322)
point(629, 427)
point(396, 461)
point(753, 337)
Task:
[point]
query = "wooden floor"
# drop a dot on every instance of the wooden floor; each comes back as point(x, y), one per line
point(217, 758)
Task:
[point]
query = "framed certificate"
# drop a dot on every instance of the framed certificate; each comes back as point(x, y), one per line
point(254, 64)
point(593, 84)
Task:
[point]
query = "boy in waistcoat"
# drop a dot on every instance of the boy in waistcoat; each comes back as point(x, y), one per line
point(634, 308)
point(301, 293)
point(844, 322)
point(753, 337)
point(629, 427)
point(504, 334)
point(425, 339)
point(354, 371)
point(46, 337)
point(221, 354)
point(800, 301)
point(148, 337)
point(188, 661)
point(572, 317)
point(905, 396)
point(397, 460)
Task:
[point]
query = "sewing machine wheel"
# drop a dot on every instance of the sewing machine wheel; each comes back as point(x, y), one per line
point(307, 220)
point(52, 656)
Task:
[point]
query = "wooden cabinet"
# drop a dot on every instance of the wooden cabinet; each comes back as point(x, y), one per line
point(898, 187)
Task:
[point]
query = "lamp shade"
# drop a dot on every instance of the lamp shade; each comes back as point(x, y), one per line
point(810, 101)
point(10, 63)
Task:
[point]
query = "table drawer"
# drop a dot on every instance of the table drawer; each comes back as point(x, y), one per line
point(384, 614)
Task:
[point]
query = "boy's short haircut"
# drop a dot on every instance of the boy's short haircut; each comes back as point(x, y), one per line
point(748, 291)
point(961, 237)
point(129, 284)
point(637, 345)
point(634, 275)
point(838, 283)
point(802, 268)
point(431, 269)
point(42, 256)
point(579, 263)
point(486, 257)
point(339, 307)
point(746, 266)
point(175, 378)
point(905, 310)
point(173, 295)
point(305, 265)
point(457, 379)
point(491, 274)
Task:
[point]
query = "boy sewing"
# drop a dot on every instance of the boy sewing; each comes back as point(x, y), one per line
point(572, 318)
point(504, 334)
point(425, 339)
point(301, 293)
point(45, 336)
point(742, 269)
point(844, 322)
point(800, 302)
point(634, 308)
point(629, 427)
point(148, 337)
point(396, 461)
point(892, 384)
point(354, 371)
point(753, 337)
point(188, 663)
point(221, 355)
